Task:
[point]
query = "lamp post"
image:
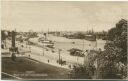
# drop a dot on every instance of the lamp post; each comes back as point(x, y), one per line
point(30, 48)
point(59, 55)
point(83, 44)
point(77, 52)
point(43, 49)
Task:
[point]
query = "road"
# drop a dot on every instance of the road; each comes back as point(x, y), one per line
point(37, 54)
point(47, 56)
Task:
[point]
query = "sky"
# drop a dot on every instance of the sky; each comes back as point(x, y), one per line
point(62, 16)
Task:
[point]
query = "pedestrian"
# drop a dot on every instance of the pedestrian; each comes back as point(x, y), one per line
point(29, 56)
point(70, 66)
point(48, 61)
point(13, 57)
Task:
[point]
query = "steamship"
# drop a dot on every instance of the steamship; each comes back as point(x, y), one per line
point(90, 37)
point(46, 42)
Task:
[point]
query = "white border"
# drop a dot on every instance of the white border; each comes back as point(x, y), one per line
point(62, 79)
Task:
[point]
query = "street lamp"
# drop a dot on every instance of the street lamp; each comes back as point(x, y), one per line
point(43, 48)
point(77, 52)
point(59, 55)
point(30, 48)
point(83, 44)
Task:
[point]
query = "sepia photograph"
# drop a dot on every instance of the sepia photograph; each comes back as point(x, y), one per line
point(64, 40)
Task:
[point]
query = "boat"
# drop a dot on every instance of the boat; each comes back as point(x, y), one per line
point(47, 43)
point(90, 37)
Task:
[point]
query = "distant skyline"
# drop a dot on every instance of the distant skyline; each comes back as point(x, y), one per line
point(62, 16)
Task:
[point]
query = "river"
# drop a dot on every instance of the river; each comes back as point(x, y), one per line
point(66, 44)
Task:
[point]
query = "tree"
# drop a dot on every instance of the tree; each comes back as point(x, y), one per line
point(115, 52)
point(3, 35)
point(82, 72)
